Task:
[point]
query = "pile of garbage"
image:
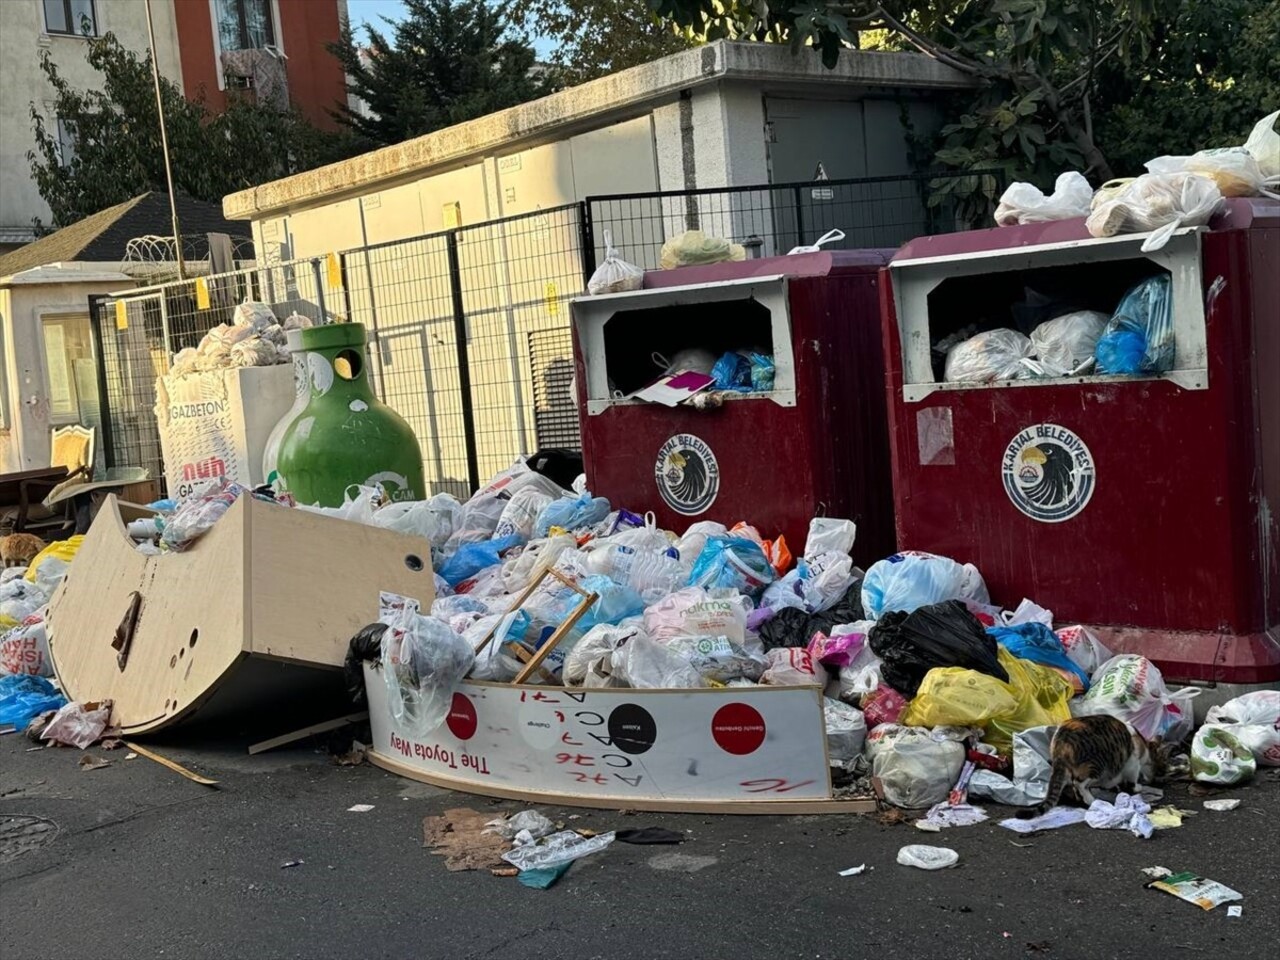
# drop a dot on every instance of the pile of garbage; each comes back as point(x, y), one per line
point(254, 338)
point(24, 603)
point(1135, 336)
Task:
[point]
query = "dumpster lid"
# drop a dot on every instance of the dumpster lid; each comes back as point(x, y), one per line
point(1238, 213)
point(818, 264)
point(920, 252)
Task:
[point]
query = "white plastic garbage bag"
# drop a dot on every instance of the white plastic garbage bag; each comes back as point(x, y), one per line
point(861, 676)
point(641, 662)
point(1085, 650)
point(1235, 170)
point(1157, 202)
point(790, 666)
point(557, 849)
point(597, 644)
point(1254, 720)
point(1025, 203)
point(614, 275)
point(531, 820)
point(1264, 144)
point(695, 612)
point(718, 658)
point(988, 356)
point(25, 648)
point(1066, 344)
point(846, 730)
point(829, 535)
point(915, 770)
point(1218, 756)
point(422, 662)
point(1132, 689)
point(925, 857)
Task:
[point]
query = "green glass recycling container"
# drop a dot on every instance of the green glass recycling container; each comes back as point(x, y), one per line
point(345, 435)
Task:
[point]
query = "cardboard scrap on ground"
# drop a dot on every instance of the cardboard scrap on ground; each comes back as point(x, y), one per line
point(458, 836)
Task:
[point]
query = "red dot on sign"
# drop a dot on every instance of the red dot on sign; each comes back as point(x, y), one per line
point(738, 728)
point(462, 717)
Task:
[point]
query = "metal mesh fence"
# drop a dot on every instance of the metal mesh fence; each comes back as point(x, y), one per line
point(770, 219)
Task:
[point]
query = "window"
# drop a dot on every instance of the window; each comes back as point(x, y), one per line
point(70, 17)
point(66, 142)
point(68, 352)
point(244, 24)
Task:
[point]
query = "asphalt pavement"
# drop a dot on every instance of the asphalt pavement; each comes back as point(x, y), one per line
point(134, 861)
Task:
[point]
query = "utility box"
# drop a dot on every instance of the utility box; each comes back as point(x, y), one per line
point(215, 423)
point(1143, 506)
point(816, 444)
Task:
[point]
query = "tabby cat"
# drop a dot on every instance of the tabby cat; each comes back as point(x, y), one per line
point(1098, 751)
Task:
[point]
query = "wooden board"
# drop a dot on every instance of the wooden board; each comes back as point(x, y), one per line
point(705, 749)
point(265, 582)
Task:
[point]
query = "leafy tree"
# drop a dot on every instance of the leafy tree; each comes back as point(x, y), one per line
point(116, 148)
point(1097, 85)
point(447, 61)
point(593, 38)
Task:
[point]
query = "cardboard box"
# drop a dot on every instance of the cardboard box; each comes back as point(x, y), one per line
point(216, 423)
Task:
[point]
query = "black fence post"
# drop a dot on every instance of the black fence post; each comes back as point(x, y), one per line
point(319, 282)
point(346, 287)
point(799, 200)
point(96, 301)
point(464, 361)
point(587, 237)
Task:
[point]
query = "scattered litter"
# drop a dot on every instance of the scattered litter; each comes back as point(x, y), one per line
point(1127, 813)
point(504, 871)
point(291, 863)
point(131, 756)
point(542, 877)
point(360, 808)
point(111, 743)
point(1168, 817)
point(1157, 873)
point(853, 871)
point(1024, 846)
point(353, 757)
point(927, 858)
point(461, 837)
point(78, 724)
point(1221, 805)
point(90, 762)
point(526, 821)
point(952, 815)
point(557, 849)
point(1204, 893)
point(1052, 820)
point(646, 835)
point(33, 749)
point(1235, 910)
point(928, 826)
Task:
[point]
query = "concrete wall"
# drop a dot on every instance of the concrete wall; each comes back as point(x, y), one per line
point(24, 437)
point(22, 39)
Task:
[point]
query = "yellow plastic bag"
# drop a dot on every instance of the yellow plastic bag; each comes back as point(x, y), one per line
point(63, 550)
point(953, 696)
point(693, 248)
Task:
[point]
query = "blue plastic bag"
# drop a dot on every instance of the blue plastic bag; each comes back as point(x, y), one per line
point(22, 696)
point(1139, 337)
point(732, 372)
point(762, 372)
point(909, 581)
point(1039, 644)
point(471, 558)
point(732, 562)
point(571, 513)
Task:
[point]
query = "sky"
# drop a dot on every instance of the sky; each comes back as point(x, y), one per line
point(372, 12)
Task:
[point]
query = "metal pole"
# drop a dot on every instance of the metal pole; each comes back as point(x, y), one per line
point(464, 363)
point(164, 144)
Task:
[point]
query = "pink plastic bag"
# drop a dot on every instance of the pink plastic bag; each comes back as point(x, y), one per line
point(78, 724)
point(883, 705)
point(837, 651)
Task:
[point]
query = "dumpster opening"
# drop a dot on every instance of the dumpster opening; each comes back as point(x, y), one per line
point(1023, 299)
point(632, 338)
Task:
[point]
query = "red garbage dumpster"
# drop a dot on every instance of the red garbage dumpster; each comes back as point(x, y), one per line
point(816, 444)
point(1145, 506)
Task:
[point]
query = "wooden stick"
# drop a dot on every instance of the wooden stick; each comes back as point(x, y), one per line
point(322, 727)
point(555, 638)
point(175, 767)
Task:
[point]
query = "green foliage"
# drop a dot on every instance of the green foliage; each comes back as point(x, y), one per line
point(117, 146)
point(1095, 85)
point(598, 37)
point(447, 61)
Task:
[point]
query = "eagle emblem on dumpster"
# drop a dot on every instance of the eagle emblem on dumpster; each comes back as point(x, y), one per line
point(687, 474)
point(1048, 472)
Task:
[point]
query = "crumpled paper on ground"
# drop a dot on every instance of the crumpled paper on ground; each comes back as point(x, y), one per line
point(958, 815)
point(1127, 813)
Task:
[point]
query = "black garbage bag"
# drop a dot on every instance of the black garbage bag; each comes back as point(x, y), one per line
point(938, 635)
point(558, 464)
point(365, 645)
point(791, 627)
